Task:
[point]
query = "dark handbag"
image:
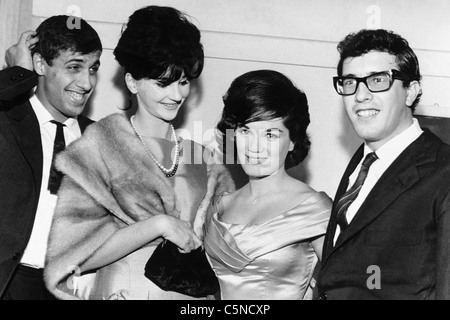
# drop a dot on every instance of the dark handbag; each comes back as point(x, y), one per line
point(186, 273)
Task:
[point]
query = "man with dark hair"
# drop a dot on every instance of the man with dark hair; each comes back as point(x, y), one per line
point(32, 131)
point(389, 232)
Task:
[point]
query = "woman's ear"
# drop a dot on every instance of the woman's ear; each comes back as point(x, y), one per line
point(131, 83)
point(39, 64)
point(291, 146)
point(413, 91)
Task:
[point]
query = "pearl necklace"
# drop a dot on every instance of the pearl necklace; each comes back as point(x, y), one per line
point(173, 169)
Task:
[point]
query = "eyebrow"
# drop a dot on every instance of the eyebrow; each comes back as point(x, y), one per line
point(167, 78)
point(267, 130)
point(274, 129)
point(78, 60)
point(355, 76)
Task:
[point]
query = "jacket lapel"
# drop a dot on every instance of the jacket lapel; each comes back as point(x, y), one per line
point(399, 177)
point(83, 122)
point(25, 130)
point(343, 185)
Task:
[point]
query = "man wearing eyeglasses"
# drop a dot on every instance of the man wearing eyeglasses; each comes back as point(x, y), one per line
point(389, 232)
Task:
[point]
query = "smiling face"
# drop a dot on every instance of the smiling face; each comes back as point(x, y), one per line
point(65, 86)
point(377, 117)
point(162, 101)
point(262, 147)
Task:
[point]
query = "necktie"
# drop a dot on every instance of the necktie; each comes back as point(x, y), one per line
point(352, 193)
point(59, 144)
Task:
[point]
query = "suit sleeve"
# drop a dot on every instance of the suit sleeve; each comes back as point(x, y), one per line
point(443, 250)
point(16, 81)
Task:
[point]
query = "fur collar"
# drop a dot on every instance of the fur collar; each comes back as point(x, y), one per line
point(107, 186)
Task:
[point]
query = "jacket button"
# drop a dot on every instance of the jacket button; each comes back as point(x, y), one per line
point(323, 296)
point(16, 256)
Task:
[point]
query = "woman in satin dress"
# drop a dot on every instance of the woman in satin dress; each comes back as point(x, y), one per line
point(265, 239)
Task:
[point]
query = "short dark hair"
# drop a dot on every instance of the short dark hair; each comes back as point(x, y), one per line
point(56, 34)
point(160, 43)
point(364, 41)
point(266, 95)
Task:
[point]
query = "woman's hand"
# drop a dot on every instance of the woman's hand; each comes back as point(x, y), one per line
point(132, 237)
point(180, 233)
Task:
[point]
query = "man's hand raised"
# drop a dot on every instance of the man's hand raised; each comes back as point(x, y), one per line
point(20, 53)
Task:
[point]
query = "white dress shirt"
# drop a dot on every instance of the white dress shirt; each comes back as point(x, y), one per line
point(387, 154)
point(34, 255)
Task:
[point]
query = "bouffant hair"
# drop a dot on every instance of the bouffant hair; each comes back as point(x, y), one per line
point(264, 95)
point(160, 43)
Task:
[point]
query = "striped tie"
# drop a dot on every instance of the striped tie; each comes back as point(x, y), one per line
point(352, 193)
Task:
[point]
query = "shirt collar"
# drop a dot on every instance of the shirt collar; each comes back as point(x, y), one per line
point(388, 152)
point(41, 112)
point(44, 116)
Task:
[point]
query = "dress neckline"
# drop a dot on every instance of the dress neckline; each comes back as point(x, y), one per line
point(217, 208)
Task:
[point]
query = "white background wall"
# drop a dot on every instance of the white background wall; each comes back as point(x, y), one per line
point(295, 37)
point(14, 19)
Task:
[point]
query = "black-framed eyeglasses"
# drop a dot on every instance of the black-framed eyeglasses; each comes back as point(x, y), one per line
point(377, 82)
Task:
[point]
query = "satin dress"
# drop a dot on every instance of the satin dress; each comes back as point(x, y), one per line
point(125, 279)
point(273, 260)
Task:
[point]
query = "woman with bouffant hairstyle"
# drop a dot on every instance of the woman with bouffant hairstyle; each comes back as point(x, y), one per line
point(131, 183)
point(264, 240)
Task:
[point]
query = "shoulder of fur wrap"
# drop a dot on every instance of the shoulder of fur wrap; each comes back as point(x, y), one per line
point(219, 181)
point(109, 162)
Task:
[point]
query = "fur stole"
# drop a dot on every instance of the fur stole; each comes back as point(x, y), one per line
point(108, 184)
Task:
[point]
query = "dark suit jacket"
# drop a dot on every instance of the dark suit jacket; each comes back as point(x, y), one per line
point(15, 81)
point(402, 228)
point(21, 163)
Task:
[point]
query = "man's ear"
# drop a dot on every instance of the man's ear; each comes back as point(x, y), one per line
point(39, 64)
point(131, 83)
point(413, 91)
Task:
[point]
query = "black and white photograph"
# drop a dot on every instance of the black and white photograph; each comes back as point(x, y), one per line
point(212, 150)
